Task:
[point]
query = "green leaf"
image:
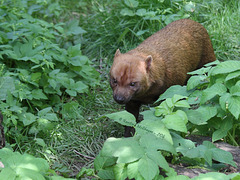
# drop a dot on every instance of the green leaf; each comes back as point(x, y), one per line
point(27, 118)
point(141, 12)
point(201, 115)
point(131, 3)
point(232, 75)
point(176, 89)
point(163, 109)
point(156, 128)
point(226, 67)
point(234, 106)
point(149, 115)
point(44, 111)
point(132, 170)
point(212, 175)
point(235, 90)
point(225, 126)
point(127, 12)
point(182, 103)
point(101, 162)
point(106, 173)
point(123, 117)
point(6, 84)
point(40, 142)
point(200, 71)
point(176, 121)
point(127, 150)
point(224, 101)
point(195, 81)
point(158, 158)
point(120, 171)
point(147, 168)
point(38, 94)
point(223, 156)
point(8, 173)
point(150, 141)
point(209, 93)
point(179, 177)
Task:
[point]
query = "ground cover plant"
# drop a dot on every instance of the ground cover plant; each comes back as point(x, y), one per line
point(54, 102)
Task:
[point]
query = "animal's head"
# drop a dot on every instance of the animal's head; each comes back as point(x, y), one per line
point(129, 76)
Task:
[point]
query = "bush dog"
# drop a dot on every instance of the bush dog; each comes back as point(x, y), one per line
point(162, 60)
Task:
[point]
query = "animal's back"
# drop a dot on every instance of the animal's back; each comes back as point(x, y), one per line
point(183, 46)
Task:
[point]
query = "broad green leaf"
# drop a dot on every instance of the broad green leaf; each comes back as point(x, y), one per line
point(123, 117)
point(131, 3)
point(234, 106)
point(8, 173)
point(71, 92)
point(179, 177)
point(127, 12)
point(224, 101)
point(147, 168)
point(101, 162)
point(235, 90)
point(38, 94)
point(177, 97)
point(176, 89)
point(201, 115)
point(156, 128)
point(232, 75)
point(80, 87)
point(212, 176)
point(150, 115)
point(209, 93)
point(141, 12)
point(158, 158)
point(163, 109)
point(150, 141)
point(182, 103)
point(225, 126)
point(132, 170)
point(26, 173)
point(27, 118)
point(44, 111)
point(195, 81)
point(226, 67)
point(223, 156)
point(120, 171)
point(176, 121)
point(40, 142)
point(106, 173)
point(6, 84)
point(126, 149)
point(200, 71)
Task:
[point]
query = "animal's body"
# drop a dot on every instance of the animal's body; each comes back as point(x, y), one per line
point(162, 60)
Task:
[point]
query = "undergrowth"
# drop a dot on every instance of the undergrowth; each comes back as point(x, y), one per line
point(52, 97)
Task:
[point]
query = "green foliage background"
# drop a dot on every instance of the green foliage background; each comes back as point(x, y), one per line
point(54, 63)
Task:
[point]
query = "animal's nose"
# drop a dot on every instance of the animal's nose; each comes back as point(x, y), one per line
point(119, 99)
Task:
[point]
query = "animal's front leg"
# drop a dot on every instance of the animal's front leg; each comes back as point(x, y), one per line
point(132, 107)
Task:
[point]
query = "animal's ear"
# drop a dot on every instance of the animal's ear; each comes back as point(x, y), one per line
point(148, 62)
point(117, 53)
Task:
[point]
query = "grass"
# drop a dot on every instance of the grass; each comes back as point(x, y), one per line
point(76, 142)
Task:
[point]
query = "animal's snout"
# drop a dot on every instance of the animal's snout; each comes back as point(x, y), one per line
point(119, 99)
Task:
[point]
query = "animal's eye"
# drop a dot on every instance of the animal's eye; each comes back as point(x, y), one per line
point(114, 81)
point(132, 83)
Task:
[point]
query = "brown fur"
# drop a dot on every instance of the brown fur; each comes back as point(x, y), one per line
point(162, 60)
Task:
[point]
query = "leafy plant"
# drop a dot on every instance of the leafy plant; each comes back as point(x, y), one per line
point(14, 165)
point(39, 71)
point(210, 97)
